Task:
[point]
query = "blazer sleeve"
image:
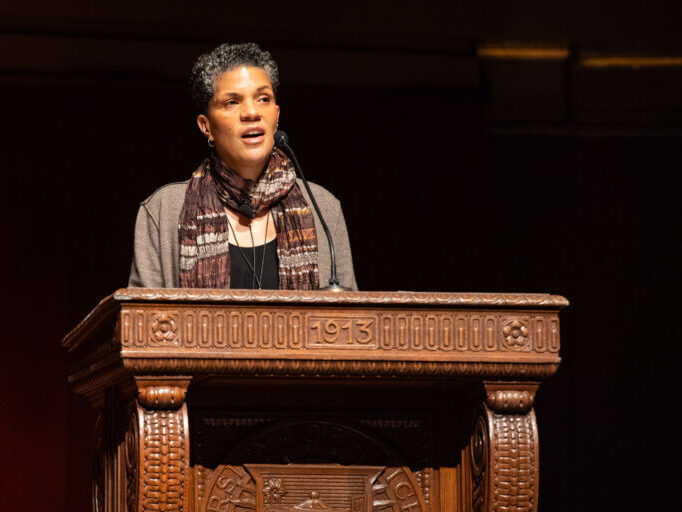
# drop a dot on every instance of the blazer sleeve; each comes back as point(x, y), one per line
point(344, 257)
point(146, 268)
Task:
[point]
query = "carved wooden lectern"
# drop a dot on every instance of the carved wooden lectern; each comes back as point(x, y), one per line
point(274, 401)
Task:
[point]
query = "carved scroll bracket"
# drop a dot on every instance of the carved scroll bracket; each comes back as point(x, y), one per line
point(159, 433)
point(504, 462)
point(510, 397)
point(162, 392)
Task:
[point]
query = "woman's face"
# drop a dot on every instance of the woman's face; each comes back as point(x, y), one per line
point(242, 119)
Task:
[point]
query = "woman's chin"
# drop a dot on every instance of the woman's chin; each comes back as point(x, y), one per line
point(249, 167)
point(255, 158)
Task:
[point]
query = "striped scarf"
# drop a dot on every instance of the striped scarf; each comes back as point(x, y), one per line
point(203, 229)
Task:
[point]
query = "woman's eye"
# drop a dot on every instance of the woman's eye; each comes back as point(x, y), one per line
point(264, 99)
point(229, 103)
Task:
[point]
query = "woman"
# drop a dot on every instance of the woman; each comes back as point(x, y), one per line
point(243, 220)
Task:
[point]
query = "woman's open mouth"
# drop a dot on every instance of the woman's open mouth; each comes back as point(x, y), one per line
point(253, 136)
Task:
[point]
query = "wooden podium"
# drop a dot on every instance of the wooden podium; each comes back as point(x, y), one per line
point(274, 401)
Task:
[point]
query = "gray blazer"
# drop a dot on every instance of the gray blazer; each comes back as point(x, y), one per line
point(156, 259)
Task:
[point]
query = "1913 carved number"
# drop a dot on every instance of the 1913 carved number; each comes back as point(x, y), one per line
point(341, 332)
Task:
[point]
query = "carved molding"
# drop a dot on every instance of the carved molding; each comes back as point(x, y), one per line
point(162, 397)
point(510, 397)
point(510, 401)
point(92, 382)
point(89, 327)
point(162, 393)
point(427, 332)
point(97, 319)
point(343, 368)
point(164, 459)
point(504, 462)
point(317, 296)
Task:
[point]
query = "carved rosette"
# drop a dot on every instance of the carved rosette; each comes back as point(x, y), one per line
point(164, 328)
point(515, 334)
point(273, 491)
point(504, 462)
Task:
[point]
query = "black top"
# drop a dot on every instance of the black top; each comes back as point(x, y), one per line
point(241, 275)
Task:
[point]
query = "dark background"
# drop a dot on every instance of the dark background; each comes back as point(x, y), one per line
point(483, 146)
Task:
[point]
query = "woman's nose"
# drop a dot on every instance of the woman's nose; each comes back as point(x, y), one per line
point(250, 111)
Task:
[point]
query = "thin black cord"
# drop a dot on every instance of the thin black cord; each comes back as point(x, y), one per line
point(253, 269)
point(265, 244)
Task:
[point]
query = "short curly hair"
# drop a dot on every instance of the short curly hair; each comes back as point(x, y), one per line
point(226, 57)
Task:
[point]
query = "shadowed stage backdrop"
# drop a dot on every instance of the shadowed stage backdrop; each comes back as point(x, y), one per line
point(474, 148)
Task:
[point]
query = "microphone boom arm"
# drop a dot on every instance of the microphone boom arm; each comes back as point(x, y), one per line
point(334, 285)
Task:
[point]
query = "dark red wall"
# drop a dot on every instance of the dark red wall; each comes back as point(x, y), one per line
point(437, 195)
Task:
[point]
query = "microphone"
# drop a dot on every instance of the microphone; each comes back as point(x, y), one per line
point(246, 210)
point(282, 141)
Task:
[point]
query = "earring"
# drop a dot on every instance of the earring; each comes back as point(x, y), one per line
point(211, 144)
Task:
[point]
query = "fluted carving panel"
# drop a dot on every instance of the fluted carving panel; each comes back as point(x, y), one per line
point(429, 332)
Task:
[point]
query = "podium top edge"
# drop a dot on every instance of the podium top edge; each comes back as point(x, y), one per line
point(398, 299)
point(385, 298)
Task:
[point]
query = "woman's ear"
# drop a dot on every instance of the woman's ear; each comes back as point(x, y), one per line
point(204, 125)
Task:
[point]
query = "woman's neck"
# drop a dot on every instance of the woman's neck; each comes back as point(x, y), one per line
point(248, 172)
